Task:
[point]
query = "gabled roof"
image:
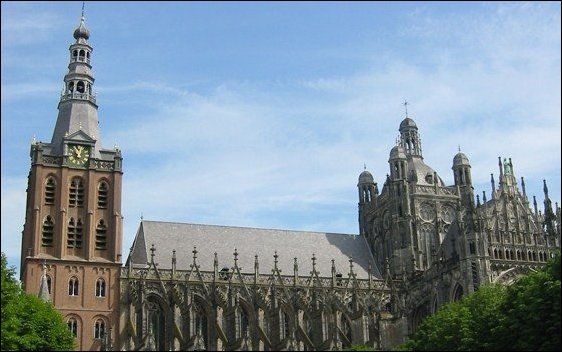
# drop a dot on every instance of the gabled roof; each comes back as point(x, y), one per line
point(208, 239)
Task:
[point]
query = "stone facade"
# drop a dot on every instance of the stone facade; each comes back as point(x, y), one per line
point(421, 244)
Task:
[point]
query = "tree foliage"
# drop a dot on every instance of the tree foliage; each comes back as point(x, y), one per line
point(28, 323)
point(523, 316)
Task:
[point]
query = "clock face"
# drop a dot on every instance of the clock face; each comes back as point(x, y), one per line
point(78, 155)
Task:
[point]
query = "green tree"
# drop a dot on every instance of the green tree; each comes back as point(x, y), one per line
point(530, 318)
point(28, 323)
point(523, 316)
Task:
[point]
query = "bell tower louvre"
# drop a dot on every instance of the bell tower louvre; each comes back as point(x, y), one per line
point(72, 237)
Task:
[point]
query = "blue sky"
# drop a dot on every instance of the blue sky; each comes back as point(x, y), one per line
point(263, 114)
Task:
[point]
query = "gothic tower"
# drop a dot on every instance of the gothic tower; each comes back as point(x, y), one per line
point(71, 245)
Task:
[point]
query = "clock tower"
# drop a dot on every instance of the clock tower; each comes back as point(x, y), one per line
point(72, 237)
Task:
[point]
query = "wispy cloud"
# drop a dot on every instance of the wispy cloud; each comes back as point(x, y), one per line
point(261, 153)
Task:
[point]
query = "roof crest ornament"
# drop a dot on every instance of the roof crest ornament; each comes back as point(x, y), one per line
point(406, 107)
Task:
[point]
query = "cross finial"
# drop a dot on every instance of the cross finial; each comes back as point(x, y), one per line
point(313, 262)
point(235, 256)
point(83, 2)
point(459, 148)
point(152, 250)
point(141, 216)
point(406, 107)
point(364, 165)
point(194, 251)
point(275, 256)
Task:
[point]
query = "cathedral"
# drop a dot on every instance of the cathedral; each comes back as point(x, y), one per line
point(421, 244)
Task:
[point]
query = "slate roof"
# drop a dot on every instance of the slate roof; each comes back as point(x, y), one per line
point(167, 236)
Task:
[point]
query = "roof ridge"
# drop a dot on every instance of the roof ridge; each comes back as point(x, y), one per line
point(248, 227)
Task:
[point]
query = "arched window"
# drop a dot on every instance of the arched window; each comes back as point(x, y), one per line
point(82, 52)
point(244, 322)
point(50, 189)
point(73, 286)
point(88, 54)
point(47, 232)
point(345, 327)
point(99, 329)
point(458, 293)
point(71, 87)
point(325, 326)
point(75, 53)
point(529, 256)
point(74, 234)
point(76, 193)
point(73, 326)
point(80, 87)
point(100, 288)
point(101, 235)
point(200, 324)
point(285, 325)
point(102, 194)
point(49, 284)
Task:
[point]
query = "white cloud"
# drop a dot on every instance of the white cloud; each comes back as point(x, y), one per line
point(490, 83)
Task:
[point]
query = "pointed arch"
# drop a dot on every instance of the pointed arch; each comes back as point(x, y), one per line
point(101, 235)
point(47, 232)
point(50, 190)
point(76, 193)
point(103, 190)
point(457, 293)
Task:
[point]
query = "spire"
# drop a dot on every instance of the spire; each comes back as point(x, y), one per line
point(523, 186)
point(545, 189)
point(501, 171)
point(535, 205)
point(77, 105)
point(477, 200)
point(484, 196)
point(493, 185)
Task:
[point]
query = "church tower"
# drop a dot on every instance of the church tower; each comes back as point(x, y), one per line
point(72, 237)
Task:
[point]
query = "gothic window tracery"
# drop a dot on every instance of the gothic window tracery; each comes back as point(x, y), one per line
point(100, 287)
point(73, 286)
point(426, 212)
point(99, 329)
point(73, 326)
point(448, 214)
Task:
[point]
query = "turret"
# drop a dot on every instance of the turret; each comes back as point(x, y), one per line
point(463, 178)
point(409, 137)
point(367, 198)
point(398, 163)
point(367, 187)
